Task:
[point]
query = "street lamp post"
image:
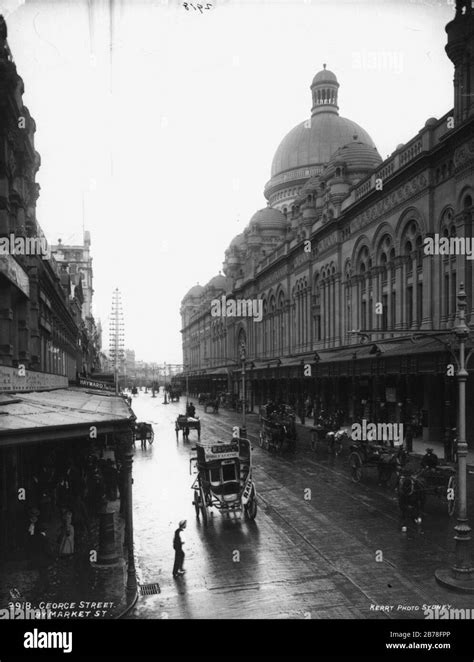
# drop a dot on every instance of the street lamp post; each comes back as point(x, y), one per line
point(243, 356)
point(461, 576)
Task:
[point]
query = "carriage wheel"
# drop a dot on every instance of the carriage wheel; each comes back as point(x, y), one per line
point(250, 509)
point(451, 502)
point(203, 504)
point(356, 467)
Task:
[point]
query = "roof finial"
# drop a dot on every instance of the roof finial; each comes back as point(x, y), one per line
point(324, 66)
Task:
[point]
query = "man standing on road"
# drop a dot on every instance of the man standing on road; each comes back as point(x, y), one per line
point(178, 550)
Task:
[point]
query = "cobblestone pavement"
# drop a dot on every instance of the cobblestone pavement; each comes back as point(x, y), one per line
point(320, 547)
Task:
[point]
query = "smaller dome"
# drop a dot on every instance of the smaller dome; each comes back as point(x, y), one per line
point(194, 293)
point(268, 219)
point(356, 156)
point(431, 121)
point(400, 146)
point(219, 282)
point(237, 241)
point(324, 76)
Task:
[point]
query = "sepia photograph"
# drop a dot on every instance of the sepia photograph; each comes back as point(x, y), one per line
point(236, 327)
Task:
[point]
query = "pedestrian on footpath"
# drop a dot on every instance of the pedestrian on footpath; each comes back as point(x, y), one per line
point(178, 549)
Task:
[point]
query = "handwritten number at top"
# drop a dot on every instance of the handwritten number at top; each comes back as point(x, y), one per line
point(197, 7)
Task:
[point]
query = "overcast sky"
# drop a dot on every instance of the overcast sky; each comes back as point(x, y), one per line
point(157, 126)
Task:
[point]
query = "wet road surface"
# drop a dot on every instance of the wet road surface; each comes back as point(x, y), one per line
point(320, 547)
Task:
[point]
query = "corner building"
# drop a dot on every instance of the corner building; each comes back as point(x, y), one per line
point(343, 231)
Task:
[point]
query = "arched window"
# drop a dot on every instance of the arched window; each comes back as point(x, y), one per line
point(467, 202)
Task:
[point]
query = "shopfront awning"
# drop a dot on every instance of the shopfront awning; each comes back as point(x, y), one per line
point(63, 413)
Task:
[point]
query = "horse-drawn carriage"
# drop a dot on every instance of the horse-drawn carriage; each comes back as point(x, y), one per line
point(327, 430)
point(144, 432)
point(431, 479)
point(186, 423)
point(277, 427)
point(224, 478)
point(387, 459)
point(174, 394)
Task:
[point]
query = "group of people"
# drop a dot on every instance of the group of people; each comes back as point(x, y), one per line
point(63, 495)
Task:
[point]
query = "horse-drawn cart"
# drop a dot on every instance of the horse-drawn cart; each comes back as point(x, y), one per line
point(187, 423)
point(144, 432)
point(431, 479)
point(224, 478)
point(387, 459)
point(277, 427)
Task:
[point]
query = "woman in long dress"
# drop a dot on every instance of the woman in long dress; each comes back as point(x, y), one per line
point(66, 536)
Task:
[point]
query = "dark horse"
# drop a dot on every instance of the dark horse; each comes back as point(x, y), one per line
point(411, 499)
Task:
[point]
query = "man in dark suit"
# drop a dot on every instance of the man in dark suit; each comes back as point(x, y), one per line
point(178, 550)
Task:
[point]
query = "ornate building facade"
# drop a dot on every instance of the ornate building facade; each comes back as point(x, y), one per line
point(341, 248)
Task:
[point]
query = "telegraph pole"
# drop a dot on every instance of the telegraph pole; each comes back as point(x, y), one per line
point(116, 336)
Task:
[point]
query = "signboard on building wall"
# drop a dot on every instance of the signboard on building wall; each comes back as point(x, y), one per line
point(10, 268)
point(10, 380)
point(91, 383)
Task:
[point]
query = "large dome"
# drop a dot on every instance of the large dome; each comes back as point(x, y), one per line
point(307, 149)
point(314, 145)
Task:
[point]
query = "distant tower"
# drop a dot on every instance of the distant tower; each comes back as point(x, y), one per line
point(116, 336)
point(460, 50)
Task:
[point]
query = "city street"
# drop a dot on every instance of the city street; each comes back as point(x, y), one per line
point(320, 547)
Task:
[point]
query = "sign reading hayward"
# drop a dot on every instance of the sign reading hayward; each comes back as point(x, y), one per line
point(10, 380)
point(91, 383)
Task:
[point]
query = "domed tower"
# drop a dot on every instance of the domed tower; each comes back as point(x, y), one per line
point(266, 230)
point(460, 50)
point(324, 90)
point(190, 303)
point(307, 148)
point(235, 256)
point(346, 167)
